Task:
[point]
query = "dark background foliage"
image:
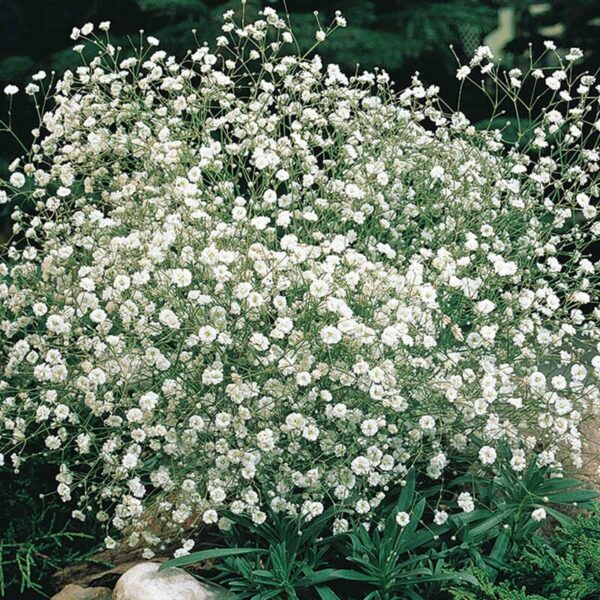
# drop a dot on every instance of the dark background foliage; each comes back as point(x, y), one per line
point(401, 36)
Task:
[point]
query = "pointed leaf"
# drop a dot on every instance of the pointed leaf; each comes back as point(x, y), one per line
point(195, 557)
point(325, 593)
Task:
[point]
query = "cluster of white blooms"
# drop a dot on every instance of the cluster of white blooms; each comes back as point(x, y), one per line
point(245, 281)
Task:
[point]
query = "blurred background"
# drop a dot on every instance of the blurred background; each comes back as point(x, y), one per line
point(402, 36)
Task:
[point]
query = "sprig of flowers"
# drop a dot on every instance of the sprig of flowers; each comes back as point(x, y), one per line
point(252, 281)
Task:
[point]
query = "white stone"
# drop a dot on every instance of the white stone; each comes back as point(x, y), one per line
point(144, 582)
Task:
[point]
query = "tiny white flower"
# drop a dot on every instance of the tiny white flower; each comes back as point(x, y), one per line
point(330, 335)
point(17, 179)
point(440, 517)
point(539, 514)
point(487, 455)
point(402, 518)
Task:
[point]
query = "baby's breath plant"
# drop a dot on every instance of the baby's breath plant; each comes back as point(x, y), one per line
point(244, 280)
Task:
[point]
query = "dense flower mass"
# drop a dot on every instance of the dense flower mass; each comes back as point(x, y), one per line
point(251, 281)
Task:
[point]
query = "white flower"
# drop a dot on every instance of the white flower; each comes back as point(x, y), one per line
point(207, 334)
point(212, 376)
point(330, 335)
point(169, 318)
point(210, 516)
point(463, 72)
point(574, 54)
point(487, 455)
point(303, 379)
point(402, 518)
point(437, 172)
point(427, 423)
point(518, 461)
point(340, 525)
point(17, 179)
point(260, 223)
point(465, 501)
point(539, 514)
point(361, 465)
point(98, 315)
point(181, 277)
point(11, 90)
point(440, 517)
point(369, 427)
point(122, 282)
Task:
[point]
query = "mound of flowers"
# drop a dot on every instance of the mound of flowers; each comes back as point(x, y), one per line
point(246, 282)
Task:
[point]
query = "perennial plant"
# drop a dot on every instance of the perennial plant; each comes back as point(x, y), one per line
point(245, 280)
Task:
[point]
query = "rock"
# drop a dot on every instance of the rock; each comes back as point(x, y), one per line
point(590, 472)
point(76, 592)
point(144, 582)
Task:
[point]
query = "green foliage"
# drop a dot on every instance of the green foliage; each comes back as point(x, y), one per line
point(37, 536)
point(487, 590)
point(172, 7)
point(471, 553)
point(16, 68)
point(295, 560)
point(493, 535)
point(396, 561)
point(565, 566)
point(570, 560)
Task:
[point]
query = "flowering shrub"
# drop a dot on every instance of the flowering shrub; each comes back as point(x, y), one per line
point(247, 280)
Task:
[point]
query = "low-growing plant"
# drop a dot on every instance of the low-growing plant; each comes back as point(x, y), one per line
point(287, 557)
point(514, 507)
point(562, 566)
point(400, 556)
point(566, 566)
point(409, 549)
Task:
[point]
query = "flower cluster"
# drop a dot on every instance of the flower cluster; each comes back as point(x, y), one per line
point(245, 280)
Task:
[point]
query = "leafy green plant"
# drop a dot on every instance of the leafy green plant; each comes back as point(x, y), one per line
point(563, 566)
point(394, 560)
point(493, 535)
point(488, 590)
point(569, 560)
point(289, 557)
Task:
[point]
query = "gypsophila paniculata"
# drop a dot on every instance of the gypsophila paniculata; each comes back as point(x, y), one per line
point(251, 281)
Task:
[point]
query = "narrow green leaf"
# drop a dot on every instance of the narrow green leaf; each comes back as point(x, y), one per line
point(500, 547)
point(573, 496)
point(207, 554)
point(563, 519)
point(408, 491)
point(450, 576)
point(490, 523)
point(351, 575)
point(558, 483)
point(326, 594)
